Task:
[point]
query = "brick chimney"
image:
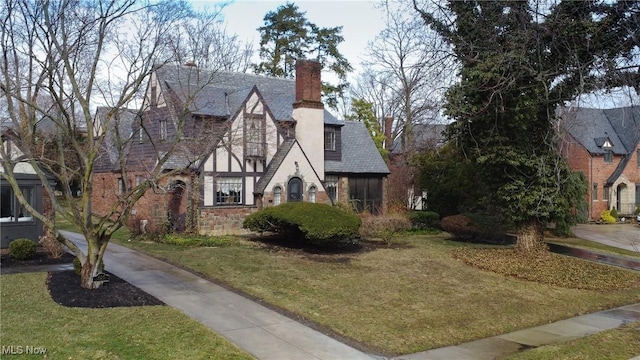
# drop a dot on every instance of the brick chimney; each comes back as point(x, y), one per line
point(308, 85)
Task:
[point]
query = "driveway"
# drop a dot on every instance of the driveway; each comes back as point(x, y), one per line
point(624, 236)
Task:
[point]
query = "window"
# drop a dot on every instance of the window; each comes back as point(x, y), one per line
point(329, 138)
point(255, 135)
point(229, 191)
point(605, 193)
point(163, 129)
point(277, 195)
point(121, 187)
point(638, 157)
point(594, 192)
point(11, 210)
point(331, 185)
point(312, 194)
point(608, 156)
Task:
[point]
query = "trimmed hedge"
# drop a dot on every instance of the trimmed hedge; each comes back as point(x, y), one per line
point(22, 249)
point(317, 223)
point(423, 220)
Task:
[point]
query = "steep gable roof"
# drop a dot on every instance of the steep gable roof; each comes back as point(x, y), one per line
point(592, 127)
point(274, 165)
point(220, 93)
point(359, 153)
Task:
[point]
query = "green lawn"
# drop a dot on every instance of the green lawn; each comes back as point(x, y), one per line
point(31, 319)
point(397, 301)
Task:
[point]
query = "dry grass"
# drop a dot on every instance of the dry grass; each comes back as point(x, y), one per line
point(403, 300)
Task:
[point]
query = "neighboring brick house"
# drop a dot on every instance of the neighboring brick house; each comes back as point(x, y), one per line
point(604, 145)
point(268, 140)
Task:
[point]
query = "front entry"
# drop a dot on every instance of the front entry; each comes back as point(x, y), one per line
point(294, 190)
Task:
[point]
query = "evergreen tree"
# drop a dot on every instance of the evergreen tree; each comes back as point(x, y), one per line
point(517, 64)
point(287, 35)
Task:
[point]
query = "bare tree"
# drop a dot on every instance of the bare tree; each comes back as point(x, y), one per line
point(62, 58)
point(205, 42)
point(406, 72)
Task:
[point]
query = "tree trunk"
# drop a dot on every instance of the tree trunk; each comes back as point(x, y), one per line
point(92, 266)
point(530, 237)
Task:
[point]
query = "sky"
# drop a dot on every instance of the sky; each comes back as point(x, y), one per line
point(361, 21)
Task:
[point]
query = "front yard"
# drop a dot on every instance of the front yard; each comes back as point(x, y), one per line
point(34, 326)
point(394, 300)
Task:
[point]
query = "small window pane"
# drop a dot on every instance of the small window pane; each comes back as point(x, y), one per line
point(229, 191)
point(277, 195)
point(312, 194)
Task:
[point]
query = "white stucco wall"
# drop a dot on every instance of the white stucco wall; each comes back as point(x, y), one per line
point(310, 135)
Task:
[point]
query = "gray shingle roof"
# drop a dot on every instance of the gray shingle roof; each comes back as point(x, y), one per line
point(274, 165)
point(220, 93)
point(359, 153)
point(592, 127)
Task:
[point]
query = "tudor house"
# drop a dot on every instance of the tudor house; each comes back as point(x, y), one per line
point(266, 141)
point(604, 144)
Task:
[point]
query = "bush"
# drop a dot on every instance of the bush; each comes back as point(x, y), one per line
point(480, 229)
point(51, 245)
point(22, 249)
point(423, 220)
point(607, 217)
point(317, 223)
point(614, 213)
point(384, 227)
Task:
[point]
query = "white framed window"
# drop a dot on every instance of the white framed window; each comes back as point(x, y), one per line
point(229, 191)
point(11, 210)
point(277, 195)
point(331, 185)
point(312, 194)
point(254, 135)
point(330, 138)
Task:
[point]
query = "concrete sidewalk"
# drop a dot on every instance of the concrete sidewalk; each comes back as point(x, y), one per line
point(262, 332)
point(267, 334)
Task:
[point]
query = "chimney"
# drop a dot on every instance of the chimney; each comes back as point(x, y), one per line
point(308, 85)
point(388, 123)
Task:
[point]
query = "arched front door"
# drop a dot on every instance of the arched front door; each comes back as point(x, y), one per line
point(294, 190)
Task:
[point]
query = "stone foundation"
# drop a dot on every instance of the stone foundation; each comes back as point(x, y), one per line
point(224, 220)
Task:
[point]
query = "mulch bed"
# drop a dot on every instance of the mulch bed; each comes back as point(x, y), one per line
point(65, 289)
